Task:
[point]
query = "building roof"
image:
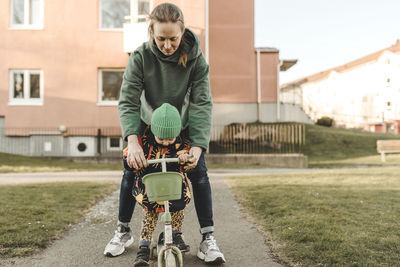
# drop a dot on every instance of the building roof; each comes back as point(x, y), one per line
point(267, 49)
point(287, 64)
point(352, 64)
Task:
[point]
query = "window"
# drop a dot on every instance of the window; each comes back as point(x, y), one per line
point(26, 14)
point(141, 8)
point(110, 81)
point(26, 87)
point(113, 12)
point(114, 143)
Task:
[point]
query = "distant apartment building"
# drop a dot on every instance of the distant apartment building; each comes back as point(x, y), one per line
point(364, 93)
point(62, 64)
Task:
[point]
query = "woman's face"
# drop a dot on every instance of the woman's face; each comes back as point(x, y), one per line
point(167, 36)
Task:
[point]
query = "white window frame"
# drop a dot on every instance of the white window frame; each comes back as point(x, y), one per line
point(26, 101)
point(109, 148)
point(134, 16)
point(101, 102)
point(109, 29)
point(26, 25)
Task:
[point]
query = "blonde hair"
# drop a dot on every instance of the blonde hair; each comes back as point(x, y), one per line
point(168, 12)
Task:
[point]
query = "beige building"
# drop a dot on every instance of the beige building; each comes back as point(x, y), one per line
point(62, 64)
point(364, 93)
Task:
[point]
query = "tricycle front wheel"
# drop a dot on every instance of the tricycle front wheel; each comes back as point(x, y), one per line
point(170, 257)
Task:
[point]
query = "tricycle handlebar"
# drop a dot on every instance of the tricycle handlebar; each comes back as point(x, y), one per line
point(163, 162)
point(155, 161)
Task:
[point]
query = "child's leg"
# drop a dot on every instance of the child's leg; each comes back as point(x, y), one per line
point(177, 222)
point(149, 223)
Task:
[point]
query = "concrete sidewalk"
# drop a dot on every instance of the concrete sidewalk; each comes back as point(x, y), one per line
point(115, 176)
point(84, 243)
point(46, 177)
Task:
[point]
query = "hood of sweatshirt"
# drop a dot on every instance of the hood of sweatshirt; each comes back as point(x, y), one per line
point(190, 43)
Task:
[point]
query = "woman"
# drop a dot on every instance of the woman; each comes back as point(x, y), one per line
point(170, 68)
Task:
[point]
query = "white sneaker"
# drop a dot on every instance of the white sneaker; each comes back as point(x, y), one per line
point(209, 251)
point(121, 240)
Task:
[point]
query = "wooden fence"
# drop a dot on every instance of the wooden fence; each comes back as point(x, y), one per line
point(257, 138)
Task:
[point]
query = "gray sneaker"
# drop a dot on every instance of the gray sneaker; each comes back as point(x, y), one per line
point(122, 239)
point(209, 251)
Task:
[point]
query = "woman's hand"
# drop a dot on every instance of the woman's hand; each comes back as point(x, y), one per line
point(183, 158)
point(194, 153)
point(135, 157)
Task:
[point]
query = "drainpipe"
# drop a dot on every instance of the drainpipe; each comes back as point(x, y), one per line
point(258, 86)
point(207, 31)
point(278, 92)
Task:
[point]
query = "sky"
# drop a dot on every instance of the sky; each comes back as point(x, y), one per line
point(322, 34)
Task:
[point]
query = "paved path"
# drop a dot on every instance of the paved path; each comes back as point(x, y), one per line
point(115, 176)
point(44, 177)
point(84, 243)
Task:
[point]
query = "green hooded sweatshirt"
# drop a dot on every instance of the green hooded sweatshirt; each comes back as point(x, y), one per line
point(151, 79)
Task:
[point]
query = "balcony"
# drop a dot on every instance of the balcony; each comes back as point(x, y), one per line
point(134, 35)
point(135, 28)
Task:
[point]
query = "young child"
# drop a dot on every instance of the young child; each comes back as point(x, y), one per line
point(161, 140)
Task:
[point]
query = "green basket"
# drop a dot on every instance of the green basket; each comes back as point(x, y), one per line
point(163, 186)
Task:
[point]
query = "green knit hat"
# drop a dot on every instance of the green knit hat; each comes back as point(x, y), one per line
point(166, 122)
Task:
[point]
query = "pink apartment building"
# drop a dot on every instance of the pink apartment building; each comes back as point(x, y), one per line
point(62, 64)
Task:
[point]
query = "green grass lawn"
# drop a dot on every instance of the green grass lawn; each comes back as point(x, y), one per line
point(346, 217)
point(329, 147)
point(31, 216)
point(391, 160)
point(329, 143)
point(370, 161)
point(17, 163)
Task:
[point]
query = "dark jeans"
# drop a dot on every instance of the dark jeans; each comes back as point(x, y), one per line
point(201, 194)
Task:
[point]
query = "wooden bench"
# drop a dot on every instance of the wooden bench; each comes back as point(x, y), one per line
point(387, 146)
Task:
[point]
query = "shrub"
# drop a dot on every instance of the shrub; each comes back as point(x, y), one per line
point(325, 121)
